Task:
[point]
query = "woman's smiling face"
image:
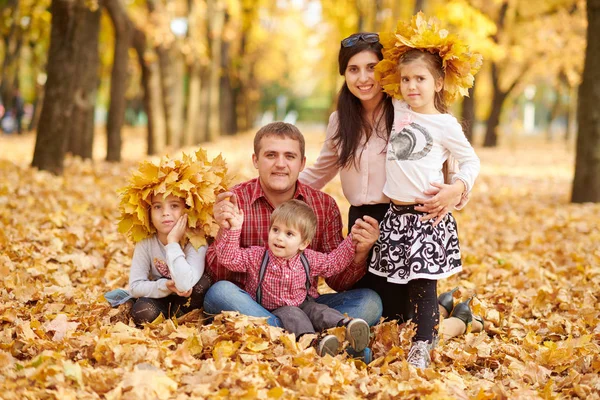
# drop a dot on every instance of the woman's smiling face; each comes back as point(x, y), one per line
point(360, 78)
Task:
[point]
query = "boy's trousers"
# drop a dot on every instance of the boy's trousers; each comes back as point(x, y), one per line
point(309, 317)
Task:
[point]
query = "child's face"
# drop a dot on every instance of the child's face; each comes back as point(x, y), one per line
point(285, 241)
point(418, 86)
point(165, 211)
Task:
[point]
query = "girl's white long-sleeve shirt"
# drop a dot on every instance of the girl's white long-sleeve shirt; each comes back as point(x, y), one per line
point(150, 256)
point(418, 146)
point(363, 182)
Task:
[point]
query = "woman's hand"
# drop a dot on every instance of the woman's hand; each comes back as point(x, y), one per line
point(365, 233)
point(178, 230)
point(445, 197)
point(171, 286)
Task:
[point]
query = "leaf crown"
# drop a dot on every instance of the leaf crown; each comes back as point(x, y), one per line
point(194, 178)
point(459, 65)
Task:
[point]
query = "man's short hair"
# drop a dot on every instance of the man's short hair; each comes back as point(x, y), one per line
point(298, 215)
point(280, 130)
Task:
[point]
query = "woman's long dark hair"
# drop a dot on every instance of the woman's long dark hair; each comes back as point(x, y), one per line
point(353, 124)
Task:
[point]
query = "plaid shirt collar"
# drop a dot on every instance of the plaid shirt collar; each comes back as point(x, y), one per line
point(258, 192)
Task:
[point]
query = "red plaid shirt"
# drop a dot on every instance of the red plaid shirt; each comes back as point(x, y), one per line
point(284, 282)
point(255, 231)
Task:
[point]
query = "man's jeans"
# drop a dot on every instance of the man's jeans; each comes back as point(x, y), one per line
point(357, 303)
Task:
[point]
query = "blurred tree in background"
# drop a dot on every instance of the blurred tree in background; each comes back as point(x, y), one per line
point(191, 70)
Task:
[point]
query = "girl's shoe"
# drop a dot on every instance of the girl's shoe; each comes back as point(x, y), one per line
point(418, 356)
point(358, 334)
point(463, 311)
point(328, 345)
point(446, 300)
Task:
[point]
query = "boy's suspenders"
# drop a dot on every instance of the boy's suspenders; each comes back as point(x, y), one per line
point(263, 270)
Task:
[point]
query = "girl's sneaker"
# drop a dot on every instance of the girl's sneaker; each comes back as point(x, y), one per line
point(358, 334)
point(418, 356)
point(328, 345)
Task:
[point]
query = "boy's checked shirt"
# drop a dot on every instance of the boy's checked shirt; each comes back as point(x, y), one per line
point(255, 232)
point(284, 282)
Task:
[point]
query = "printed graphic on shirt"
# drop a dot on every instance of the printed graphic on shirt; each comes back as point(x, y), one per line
point(162, 267)
point(413, 142)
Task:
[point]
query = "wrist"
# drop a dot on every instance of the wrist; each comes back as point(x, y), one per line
point(459, 186)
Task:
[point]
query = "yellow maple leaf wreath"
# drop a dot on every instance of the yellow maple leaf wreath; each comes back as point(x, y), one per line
point(459, 64)
point(193, 178)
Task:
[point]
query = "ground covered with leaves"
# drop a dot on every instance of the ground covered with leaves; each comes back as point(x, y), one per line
point(531, 258)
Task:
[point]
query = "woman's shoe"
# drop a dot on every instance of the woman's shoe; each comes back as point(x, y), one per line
point(446, 300)
point(463, 311)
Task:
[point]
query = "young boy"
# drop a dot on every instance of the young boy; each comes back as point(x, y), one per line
point(279, 275)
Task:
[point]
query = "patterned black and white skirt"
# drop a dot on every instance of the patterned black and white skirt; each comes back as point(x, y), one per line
point(409, 249)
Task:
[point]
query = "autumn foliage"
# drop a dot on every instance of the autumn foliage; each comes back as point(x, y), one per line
point(194, 178)
point(530, 257)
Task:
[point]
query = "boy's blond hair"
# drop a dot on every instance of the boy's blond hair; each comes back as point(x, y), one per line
point(297, 214)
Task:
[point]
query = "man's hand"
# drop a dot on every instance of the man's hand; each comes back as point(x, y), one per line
point(224, 209)
point(445, 197)
point(178, 230)
point(365, 233)
point(171, 286)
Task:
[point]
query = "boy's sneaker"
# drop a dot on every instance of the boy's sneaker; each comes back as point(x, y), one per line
point(358, 334)
point(418, 356)
point(328, 345)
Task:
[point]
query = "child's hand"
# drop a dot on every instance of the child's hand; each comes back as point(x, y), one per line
point(171, 286)
point(237, 219)
point(223, 209)
point(178, 230)
point(365, 233)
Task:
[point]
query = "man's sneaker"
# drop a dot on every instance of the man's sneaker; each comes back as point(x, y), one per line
point(358, 334)
point(328, 345)
point(418, 356)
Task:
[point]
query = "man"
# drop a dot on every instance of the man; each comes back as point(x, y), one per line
point(279, 158)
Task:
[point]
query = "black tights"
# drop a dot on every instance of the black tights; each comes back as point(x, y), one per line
point(146, 309)
point(416, 300)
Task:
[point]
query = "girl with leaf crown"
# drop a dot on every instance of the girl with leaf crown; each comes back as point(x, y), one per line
point(424, 68)
point(167, 211)
point(355, 146)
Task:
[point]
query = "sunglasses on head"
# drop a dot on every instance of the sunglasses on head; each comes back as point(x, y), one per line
point(365, 37)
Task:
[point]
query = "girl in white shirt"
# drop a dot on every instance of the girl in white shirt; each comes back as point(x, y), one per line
point(355, 147)
point(411, 254)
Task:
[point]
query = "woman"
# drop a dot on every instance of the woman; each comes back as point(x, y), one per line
point(355, 146)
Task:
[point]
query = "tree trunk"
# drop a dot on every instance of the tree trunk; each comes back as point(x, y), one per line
point(12, 48)
point(586, 183)
point(72, 77)
point(468, 114)
point(171, 74)
point(139, 44)
point(158, 141)
point(119, 76)
point(193, 106)
point(203, 112)
point(419, 4)
point(228, 108)
point(217, 19)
